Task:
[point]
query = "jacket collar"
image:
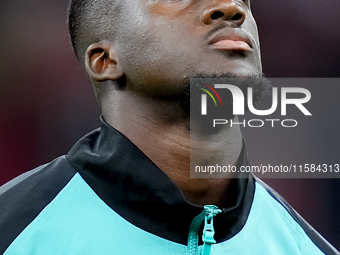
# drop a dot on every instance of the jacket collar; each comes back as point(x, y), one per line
point(133, 186)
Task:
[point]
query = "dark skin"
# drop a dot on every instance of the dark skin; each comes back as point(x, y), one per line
point(158, 47)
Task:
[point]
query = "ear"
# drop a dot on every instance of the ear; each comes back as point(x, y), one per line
point(101, 62)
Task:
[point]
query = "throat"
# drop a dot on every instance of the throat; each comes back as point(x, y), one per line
point(161, 131)
point(210, 191)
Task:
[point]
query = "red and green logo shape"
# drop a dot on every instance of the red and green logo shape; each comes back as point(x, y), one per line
point(204, 98)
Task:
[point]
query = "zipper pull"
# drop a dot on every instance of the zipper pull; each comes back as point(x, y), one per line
point(208, 232)
point(206, 215)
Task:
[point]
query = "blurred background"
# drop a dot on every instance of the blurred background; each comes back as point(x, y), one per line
point(46, 104)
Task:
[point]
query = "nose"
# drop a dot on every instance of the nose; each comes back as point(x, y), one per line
point(226, 10)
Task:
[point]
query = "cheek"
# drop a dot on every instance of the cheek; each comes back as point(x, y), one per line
point(156, 54)
point(251, 27)
point(154, 49)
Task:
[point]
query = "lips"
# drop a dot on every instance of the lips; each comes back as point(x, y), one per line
point(231, 40)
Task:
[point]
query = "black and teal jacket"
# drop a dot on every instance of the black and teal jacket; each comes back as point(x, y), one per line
point(106, 197)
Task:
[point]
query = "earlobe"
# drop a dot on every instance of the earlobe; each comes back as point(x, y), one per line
point(101, 62)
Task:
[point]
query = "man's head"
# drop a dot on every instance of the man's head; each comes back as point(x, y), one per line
point(158, 45)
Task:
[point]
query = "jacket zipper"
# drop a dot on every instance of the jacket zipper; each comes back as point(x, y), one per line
point(207, 215)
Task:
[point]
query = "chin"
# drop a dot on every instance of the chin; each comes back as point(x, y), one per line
point(230, 74)
point(239, 67)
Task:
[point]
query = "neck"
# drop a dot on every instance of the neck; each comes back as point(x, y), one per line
point(161, 130)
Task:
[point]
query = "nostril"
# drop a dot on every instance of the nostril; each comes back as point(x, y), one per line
point(237, 16)
point(217, 15)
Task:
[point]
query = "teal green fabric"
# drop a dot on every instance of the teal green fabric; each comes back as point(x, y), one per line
point(269, 230)
point(78, 222)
